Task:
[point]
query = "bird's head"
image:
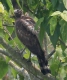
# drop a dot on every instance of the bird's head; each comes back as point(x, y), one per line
point(17, 13)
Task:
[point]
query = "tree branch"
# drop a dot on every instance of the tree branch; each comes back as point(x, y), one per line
point(21, 71)
point(16, 57)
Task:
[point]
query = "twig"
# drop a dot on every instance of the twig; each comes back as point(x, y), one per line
point(63, 43)
point(8, 25)
point(51, 54)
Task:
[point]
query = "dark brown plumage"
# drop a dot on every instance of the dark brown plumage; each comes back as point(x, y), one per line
point(24, 26)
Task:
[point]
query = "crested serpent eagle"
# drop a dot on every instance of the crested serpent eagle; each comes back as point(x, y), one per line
point(24, 26)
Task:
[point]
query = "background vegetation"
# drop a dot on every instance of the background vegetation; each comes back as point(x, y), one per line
point(51, 18)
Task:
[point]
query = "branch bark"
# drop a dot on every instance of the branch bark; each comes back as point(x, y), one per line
point(20, 70)
point(16, 57)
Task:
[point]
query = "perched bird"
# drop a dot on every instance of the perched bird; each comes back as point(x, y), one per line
point(24, 26)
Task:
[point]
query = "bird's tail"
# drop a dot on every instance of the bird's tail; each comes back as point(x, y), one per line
point(43, 62)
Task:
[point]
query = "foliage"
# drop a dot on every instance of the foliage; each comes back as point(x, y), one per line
point(1, 8)
point(51, 16)
point(3, 68)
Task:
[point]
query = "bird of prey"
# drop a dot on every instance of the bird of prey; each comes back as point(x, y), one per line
point(24, 26)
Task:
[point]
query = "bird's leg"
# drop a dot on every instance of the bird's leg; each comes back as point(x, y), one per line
point(22, 51)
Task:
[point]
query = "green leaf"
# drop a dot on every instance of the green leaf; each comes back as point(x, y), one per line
point(21, 77)
point(56, 13)
point(9, 4)
point(34, 59)
point(54, 38)
point(63, 47)
point(1, 33)
point(3, 68)
point(30, 1)
point(65, 77)
point(64, 15)
point(39, 23)
point(60, 6)
point(14, 72)
point(1, 8)
point(53, 23)
point(54, 67)
point(19, 3)
point(63, 30)
point(42, 32)
point(65, 3)
point(65, 59)
point(54, 2)
point(18, 43)
point(27, 54)
point(1, 24)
